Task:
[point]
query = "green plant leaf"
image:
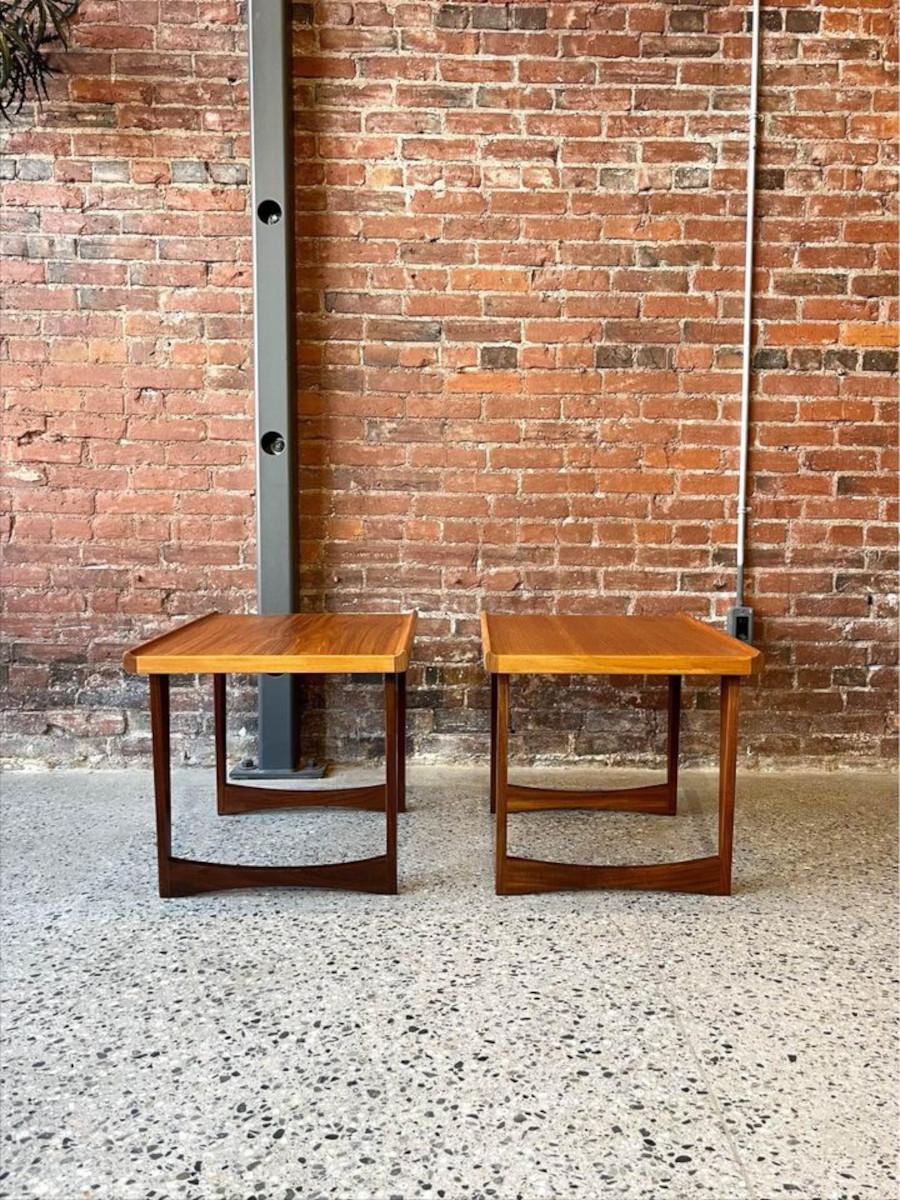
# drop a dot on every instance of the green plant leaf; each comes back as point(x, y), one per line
point(27, 27)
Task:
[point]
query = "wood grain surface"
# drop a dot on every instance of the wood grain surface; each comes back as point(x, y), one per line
point(585, 645)
point(307, 643)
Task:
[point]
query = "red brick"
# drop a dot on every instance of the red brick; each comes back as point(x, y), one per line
point(520, 292)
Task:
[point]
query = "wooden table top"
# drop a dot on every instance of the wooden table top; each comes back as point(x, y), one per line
point(584, 645)
point(304, 643)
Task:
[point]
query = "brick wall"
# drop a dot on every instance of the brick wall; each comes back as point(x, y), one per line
point(519, 247)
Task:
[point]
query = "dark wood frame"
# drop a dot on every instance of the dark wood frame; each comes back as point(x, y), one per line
point(710, 875)
point(187, 877)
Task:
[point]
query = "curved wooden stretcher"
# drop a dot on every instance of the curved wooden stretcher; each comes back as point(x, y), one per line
point(353, 644)
point(672, 646)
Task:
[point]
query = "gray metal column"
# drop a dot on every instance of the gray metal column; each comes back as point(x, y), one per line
point(269, 23)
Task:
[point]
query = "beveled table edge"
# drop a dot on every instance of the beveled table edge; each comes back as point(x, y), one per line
point(375, 664)
point(749, 663)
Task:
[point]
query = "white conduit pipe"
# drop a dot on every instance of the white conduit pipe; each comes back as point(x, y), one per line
point(742, 508)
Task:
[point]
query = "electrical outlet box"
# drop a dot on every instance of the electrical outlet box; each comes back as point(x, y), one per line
point(740, 623)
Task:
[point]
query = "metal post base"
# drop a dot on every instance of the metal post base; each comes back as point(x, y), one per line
point(249, 770)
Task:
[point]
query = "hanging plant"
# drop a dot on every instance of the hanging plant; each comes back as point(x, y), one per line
point(27, 28)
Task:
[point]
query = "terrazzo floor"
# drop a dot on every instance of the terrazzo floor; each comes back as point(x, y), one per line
point(445, 1042)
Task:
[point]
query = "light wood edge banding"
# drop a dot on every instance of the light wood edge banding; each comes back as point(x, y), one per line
point(520, 664)
point(323, 664)
point(750, 663)
point(754, 656)
point(131, 661)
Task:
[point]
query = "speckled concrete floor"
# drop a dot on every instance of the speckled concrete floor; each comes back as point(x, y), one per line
point(447, 1043)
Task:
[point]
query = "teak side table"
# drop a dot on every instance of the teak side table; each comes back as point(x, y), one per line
point(586, 645)
point(354, 644)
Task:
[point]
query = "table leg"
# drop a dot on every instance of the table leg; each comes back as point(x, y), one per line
point(187, 877)
point(674, 729)
point(729, 705)
point(162, 779)
point(710, 875)
point(220, 719)
point(393, 755)
point(401, 735)
point(657, 798)
point(232, 798)
point(493, 742)
point(499, 779)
